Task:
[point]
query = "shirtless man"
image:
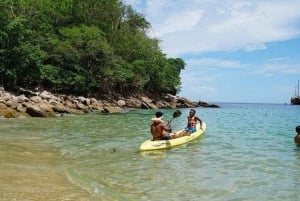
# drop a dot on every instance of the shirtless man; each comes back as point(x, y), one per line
point(159, 130)
point(297, 137)
point(192, 120)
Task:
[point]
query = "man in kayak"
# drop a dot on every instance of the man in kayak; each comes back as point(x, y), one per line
point(192, 121)
point(159, 130)
point(297, 137)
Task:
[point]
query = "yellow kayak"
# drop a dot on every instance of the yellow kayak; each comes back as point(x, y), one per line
point(165, 144)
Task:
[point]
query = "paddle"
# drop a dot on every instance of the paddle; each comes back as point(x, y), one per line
point(176, 114)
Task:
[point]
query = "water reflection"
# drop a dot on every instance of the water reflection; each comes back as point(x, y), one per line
point(155, 154)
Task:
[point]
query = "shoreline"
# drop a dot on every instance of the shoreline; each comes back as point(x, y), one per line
point(27, 103)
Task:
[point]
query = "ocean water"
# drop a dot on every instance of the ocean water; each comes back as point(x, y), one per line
point(246, 153)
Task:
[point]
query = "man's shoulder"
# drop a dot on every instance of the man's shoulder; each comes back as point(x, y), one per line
point(157, 121)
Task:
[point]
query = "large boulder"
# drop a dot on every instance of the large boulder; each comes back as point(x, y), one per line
point(36, 99)
point(13, 103)
point(185, 103)
point(95, 105)
point(205, 104)
point(46, 95)
point(147, 103)
point(59, 108)
point(47, 109)
point(8, 113)
point(170, 98)
point(21, 108)
point(82, 107)
point(133, 103)
point(121, 103)
point(112, 109)
point(22, 98)
point(35, 111)
point(2, 105)
point(41, 110)
point(166, 104)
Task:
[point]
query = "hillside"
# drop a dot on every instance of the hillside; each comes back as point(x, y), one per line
point(83, 48)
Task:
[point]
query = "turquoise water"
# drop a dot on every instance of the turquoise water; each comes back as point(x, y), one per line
point(246, 153)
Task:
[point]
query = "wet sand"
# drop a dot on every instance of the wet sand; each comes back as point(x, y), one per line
point(33, 171)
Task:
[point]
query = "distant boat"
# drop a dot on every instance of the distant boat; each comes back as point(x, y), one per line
point(295, 100)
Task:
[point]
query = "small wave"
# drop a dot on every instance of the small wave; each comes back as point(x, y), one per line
point(99, 191)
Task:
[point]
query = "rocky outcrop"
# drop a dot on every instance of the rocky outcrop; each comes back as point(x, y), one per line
point(44, 104)
point(27, 103)
point(204, 104)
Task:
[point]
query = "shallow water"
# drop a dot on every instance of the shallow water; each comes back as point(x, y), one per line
point(246, 153)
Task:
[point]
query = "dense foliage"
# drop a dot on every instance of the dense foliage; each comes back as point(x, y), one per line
point(86, 47)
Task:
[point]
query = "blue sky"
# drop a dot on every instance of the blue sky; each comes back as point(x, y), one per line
point(235, 50)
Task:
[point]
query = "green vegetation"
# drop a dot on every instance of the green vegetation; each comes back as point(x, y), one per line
point(82, 47)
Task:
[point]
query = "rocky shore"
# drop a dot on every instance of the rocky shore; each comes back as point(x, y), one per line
point(28, 103)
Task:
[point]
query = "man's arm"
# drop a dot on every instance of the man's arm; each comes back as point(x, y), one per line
point(167, 128)
point(200, 122)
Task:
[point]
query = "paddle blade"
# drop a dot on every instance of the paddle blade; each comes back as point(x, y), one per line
point(177, 113)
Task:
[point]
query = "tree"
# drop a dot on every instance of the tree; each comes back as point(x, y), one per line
point(21, 59)
point(85, 47)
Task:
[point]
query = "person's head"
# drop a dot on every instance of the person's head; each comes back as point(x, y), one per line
point(159, 115)
point(192, 112)
point(298, 129)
